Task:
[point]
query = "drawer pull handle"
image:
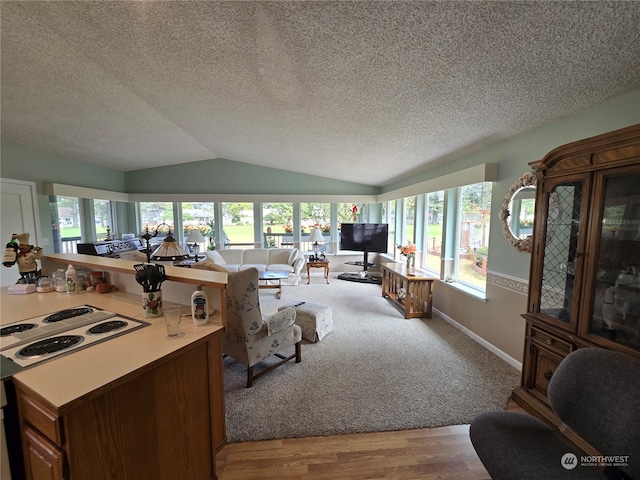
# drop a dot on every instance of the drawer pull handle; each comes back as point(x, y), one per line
point(549, 341)
point(548, 375)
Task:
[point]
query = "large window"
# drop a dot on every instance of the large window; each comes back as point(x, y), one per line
point(432, 245)
point(153, 214)
point(199, 216)
point(104, 220)
point(69, 223)
point(237, 225)
point(315, 215)
point(389, 216)
point(277, 224)
point(473, 234)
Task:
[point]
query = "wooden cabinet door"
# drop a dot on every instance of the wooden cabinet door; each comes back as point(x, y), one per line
point(45, 461)
point(611, 308)
point(558, 255)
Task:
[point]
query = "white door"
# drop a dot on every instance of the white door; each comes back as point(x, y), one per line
point(19, 214)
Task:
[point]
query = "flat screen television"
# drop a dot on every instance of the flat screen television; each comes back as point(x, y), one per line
point(364, 237)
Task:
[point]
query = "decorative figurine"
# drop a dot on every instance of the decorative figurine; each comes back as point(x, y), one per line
point(26, 257)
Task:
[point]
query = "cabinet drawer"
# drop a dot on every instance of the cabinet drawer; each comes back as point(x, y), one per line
point(550, 342)
point(544, 363)
point(41, 418)
point(45, 460)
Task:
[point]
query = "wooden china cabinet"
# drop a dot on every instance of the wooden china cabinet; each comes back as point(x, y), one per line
point(584, 285)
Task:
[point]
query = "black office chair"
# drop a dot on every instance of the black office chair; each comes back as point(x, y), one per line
point(594, 391)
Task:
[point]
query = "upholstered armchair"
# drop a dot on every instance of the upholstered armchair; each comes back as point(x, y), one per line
point(249, 337)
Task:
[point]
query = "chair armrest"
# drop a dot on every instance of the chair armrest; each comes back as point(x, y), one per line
point(280, 320)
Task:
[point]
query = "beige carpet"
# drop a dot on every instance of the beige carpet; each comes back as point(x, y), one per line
point(375, 372)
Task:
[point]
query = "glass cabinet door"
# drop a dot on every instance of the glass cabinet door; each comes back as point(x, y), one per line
point(615, 280)
point(561, 256)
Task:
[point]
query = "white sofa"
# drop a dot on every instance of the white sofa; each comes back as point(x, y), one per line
point(264, 259)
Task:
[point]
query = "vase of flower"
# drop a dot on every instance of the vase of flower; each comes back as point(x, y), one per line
point(409, 251)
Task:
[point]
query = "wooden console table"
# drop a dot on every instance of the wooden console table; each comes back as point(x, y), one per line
point(418, 301)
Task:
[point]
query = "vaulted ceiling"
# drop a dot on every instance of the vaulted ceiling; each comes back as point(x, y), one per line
point(364, 91)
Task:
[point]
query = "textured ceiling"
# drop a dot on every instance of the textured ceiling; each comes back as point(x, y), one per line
point(367, 91)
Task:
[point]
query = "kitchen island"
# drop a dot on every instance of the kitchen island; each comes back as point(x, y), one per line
point(139, 406)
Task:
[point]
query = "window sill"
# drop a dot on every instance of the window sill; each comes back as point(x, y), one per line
point(472, 292)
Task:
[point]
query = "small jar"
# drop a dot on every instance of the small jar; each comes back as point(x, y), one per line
point(60, 280)
point(45, 284)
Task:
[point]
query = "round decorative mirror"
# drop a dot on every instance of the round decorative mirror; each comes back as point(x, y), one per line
point(517, 213)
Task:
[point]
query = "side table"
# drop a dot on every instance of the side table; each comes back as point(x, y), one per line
point(417, 298)
point(318, 264)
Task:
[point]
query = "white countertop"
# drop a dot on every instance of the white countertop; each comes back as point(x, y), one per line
point(68, 379)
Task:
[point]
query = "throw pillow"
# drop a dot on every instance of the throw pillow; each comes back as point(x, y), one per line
point(215, 257)
point(209, 265)
point(292, 256)
point(134, 256)
point(298, 264)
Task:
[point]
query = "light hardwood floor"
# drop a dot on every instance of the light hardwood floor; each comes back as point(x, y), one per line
point(429, 453)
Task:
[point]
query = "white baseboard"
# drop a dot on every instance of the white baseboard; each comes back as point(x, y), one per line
point(492, 348)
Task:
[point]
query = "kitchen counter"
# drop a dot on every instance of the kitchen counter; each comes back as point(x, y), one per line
point(89, 370)
point(141, 392)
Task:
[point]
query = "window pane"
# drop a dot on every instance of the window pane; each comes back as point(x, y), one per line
point(433, 231)
point(237, 224)
point(408, 223)
point(153, 214)
point(69, 221)
point(389, 217)
point(473, 245)
point(199, 216)
point(277, 226)
point(103, 218)
point(314, 215)
point(350, 213)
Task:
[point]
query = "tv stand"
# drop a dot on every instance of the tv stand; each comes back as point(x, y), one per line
point(354, 277)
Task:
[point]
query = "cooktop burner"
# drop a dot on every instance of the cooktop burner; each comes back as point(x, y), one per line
point(49, 346)
point(105, 327)
point(44, 338)
point(20, 327)
point(65, 314)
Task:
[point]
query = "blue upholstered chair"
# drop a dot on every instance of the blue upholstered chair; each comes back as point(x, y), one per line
point(249, 337)
point(596, 392)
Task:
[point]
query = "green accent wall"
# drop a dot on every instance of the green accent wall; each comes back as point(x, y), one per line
point(228, 177)
point(21, 162)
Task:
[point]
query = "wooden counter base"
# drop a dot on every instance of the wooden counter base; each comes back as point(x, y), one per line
point(140, 405)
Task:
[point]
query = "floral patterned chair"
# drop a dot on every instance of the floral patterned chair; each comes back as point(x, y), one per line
point(249, 337)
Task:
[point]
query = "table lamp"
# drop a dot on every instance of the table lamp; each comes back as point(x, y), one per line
point(169, 250)
point(194, 240)
point(316, 236)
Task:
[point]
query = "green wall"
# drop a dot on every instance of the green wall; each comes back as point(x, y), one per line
point(224, 176)
point(21, 162)
point(228, 177)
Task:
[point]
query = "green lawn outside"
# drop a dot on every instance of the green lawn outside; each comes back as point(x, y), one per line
point(75, 232)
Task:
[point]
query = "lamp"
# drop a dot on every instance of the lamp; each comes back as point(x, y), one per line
point(169, 250)
point(315, 237)
point(194, 240)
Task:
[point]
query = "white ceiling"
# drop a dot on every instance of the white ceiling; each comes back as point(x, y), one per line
point(365, 91)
